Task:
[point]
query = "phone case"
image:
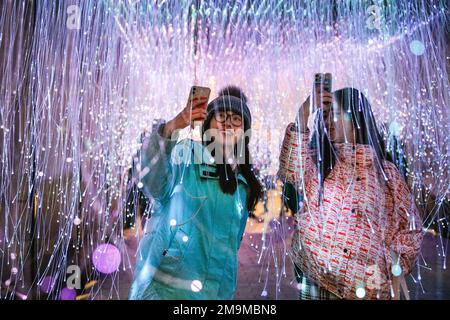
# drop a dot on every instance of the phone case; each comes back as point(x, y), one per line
point(323, 80)
point(197, 92)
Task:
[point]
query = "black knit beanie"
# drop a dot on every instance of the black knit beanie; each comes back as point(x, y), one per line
point(230, 98)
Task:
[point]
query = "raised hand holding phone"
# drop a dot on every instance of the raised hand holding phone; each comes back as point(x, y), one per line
point(321, 97)
point(322, 90)
point(193, 112)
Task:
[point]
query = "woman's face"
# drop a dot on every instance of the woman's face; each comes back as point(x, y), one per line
point(338, 123)
point(229, 126)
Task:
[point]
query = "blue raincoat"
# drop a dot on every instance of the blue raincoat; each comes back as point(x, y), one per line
point(190, 244)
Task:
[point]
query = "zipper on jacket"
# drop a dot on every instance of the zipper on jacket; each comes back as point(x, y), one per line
point(170, 242)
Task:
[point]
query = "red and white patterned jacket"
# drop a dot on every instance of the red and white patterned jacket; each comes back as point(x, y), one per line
point(347, 243)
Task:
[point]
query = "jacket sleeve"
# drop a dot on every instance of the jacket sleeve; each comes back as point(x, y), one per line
point(156, 170)
point(406, 224)
point(296, 163)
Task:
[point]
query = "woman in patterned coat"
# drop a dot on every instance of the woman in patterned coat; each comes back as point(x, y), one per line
point(359, 230)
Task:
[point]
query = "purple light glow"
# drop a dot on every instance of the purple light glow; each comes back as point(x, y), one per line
point(106, 258)
point(68, 294)
point(47, 284)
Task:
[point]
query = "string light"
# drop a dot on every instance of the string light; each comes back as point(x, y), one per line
point(103, 73)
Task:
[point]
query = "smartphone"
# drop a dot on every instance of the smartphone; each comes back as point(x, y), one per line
point(197, 92)
point(322, 81)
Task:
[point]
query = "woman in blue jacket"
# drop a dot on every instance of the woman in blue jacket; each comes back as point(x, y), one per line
point(204, 192)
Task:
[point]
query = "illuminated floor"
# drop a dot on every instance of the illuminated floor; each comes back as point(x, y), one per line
point(435, 280)
point(435, 284)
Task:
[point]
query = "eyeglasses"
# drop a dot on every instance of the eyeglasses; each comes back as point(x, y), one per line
point(236, 120)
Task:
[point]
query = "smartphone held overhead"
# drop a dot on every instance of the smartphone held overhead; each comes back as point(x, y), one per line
point(198, 98)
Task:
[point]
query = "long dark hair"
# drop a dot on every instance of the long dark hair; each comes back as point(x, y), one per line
point(228, 177)
point(355, 104)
